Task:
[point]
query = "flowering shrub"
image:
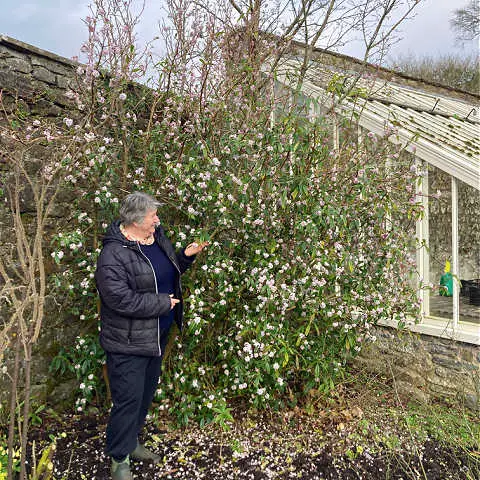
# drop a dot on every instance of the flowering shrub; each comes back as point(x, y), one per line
point(305, 256)
point(308, 249)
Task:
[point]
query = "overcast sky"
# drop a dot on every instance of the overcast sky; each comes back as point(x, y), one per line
point(56, 26)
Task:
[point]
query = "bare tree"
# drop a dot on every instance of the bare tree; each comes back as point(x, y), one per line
point(466, 21)
point(31, 185)
point(257, 33)
point(328, 24)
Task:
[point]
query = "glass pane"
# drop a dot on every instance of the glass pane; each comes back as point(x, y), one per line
point(302, 104)
point(407, 223)
point(469, 252)
point(440, 242)
point(282, 99)
point(348, 132)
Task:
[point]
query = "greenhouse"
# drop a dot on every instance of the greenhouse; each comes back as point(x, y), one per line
point(441, 128)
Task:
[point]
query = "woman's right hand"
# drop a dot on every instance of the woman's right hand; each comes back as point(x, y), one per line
point(173, 301)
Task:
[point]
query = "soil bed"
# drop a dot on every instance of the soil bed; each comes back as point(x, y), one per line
point(334, 444)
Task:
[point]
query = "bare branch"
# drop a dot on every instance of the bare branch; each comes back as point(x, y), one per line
point(466, 21)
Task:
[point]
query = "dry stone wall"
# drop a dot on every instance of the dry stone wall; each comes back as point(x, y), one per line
point(425, 367)
point(38, 78)
point(36, 81)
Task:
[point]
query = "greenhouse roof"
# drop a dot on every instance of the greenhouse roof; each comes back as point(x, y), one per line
point(443, 130)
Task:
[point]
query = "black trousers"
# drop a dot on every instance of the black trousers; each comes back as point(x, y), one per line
point(133, 382)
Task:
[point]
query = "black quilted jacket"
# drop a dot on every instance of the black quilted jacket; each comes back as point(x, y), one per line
point(130, 306)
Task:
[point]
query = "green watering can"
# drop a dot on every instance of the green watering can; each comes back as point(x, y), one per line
point(446, 282)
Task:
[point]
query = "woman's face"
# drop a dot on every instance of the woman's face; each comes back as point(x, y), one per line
point(150, 221)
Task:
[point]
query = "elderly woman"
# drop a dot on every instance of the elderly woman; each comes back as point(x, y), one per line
point(138, 279)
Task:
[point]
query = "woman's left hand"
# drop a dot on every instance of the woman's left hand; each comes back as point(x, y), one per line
point(195, 248)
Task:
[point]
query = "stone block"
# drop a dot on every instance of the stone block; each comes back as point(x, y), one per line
point(464, 382)
point(63, 81)
point(450, 362)
point(373, 364)
point(472, 402)
point(6, 52)
point(409, 348)
point(19, 64)
point(9, 103)
point(411, 377)
point(452, 381)
point(38, 394)
point(402, 361)
point(468, 367)
point(22, 106)
point(52, 65)
point(63, 394)
point(444, 390)
point(50, 93)
point(46, 108)
point(15, 83)
point(44, 75)
point(467, 355)
point(438, 347)
point(412, 393)
point(442, 372)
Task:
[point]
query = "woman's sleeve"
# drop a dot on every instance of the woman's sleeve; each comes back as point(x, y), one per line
point(112, 284)
point(184, 262)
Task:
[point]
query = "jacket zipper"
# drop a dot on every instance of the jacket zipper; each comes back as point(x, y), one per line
point(174, 264)
point(170, 258)
point(156, 291)
point(129, 338)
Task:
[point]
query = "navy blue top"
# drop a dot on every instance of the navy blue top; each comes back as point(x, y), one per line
point(164, 274)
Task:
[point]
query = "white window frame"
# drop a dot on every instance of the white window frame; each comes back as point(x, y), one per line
point(450, 328)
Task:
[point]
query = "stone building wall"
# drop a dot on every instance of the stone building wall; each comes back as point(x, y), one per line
point(36, 81)
point(425, 367)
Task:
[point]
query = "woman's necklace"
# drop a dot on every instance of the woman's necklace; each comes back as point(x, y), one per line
point(145, 241)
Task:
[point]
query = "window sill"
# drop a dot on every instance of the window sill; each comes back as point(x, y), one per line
point(443, 328)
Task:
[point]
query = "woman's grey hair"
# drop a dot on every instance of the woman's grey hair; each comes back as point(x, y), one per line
point(135, 206)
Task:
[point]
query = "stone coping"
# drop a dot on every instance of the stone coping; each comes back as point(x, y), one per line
point(27, 48)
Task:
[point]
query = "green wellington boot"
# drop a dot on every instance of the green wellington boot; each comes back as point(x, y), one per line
point(143, 454)
point(121, 470)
